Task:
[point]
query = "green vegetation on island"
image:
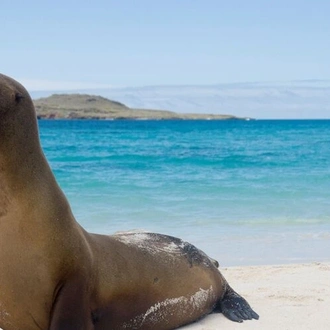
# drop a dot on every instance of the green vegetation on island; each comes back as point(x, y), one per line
point(82, 106)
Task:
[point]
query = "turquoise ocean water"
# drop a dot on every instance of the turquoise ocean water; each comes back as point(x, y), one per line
point(246, 192)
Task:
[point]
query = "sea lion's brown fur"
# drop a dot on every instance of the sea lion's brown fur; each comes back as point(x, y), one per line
point(54, 275)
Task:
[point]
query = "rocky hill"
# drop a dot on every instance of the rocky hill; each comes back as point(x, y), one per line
point(83, 106)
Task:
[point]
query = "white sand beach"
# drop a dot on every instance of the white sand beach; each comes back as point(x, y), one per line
point(286, 297)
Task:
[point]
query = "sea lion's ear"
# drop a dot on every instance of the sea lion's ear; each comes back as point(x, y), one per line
point(18, 97)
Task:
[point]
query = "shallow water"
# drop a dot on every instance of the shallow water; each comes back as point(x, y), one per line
point(246, 192)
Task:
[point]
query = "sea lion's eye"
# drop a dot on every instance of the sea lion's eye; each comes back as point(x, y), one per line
point(18, 97)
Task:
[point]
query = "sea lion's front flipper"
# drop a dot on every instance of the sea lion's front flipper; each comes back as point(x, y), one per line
point(71, 310)
point(236, 308)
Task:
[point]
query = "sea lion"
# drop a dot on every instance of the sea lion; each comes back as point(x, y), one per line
point(54, 275)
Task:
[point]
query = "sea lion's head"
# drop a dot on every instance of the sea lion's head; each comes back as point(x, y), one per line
point(18, 122)
point(13, 96)
point(16, 107)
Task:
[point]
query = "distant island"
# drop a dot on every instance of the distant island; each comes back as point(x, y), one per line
point(83, 106)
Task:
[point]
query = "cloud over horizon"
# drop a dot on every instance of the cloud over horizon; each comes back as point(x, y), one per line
point(302, 99)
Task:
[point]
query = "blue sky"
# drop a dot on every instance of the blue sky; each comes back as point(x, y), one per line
point(139, 43)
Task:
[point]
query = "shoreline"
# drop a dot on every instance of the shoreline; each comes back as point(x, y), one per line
point(294, 296)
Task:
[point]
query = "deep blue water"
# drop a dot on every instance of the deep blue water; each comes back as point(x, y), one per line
point(247, 192)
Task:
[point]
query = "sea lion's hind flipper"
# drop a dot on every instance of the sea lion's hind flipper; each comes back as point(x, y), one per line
point(236, 308)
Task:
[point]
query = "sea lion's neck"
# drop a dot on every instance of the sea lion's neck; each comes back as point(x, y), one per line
point(21, 156)
point(22, 162)
point(26, 178)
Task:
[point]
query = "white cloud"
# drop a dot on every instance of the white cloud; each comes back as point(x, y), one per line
point(295, 99)
point(46, 85)
point(292, 99)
